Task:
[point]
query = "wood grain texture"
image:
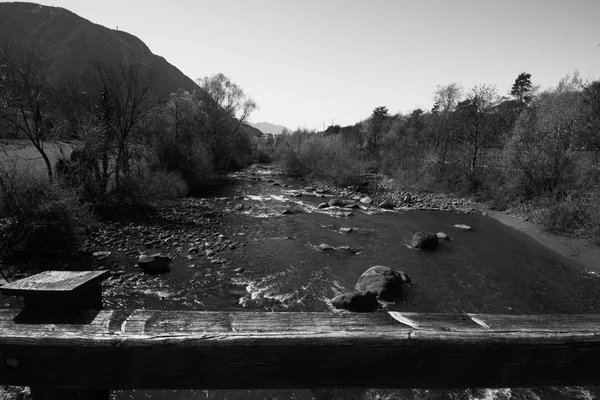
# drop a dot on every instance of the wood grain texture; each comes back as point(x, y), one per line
point(54, 282)
point(217, 350)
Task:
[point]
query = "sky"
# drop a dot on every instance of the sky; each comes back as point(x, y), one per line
point(308, 63)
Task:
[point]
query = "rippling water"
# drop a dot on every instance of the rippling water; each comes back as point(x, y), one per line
point(491, 269)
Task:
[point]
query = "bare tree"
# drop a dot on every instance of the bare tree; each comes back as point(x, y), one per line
point(24, 96)
point(477, 120)
point(126, 94)
point(223, 108)
point(445, 99)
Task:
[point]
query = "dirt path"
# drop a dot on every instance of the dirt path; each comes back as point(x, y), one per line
point(573, 249)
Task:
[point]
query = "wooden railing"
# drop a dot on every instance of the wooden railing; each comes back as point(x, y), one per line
point(65, 351)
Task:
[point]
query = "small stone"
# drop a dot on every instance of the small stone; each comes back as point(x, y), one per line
point(322, 206)
point(442, 236)
point(347, 249)
point(346, 230)
point(239, 270)
point(232, 247)
point(343, 214)
point(463, 227)
point(101, 255)
point(238, 207)
point(215, 261)
point(325, 247)
point(366, 200)
point(193, 250)
point(210, 253)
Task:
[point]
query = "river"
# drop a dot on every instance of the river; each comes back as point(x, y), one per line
point(273, 263)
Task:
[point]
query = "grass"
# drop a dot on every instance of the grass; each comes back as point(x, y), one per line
point(20, 155)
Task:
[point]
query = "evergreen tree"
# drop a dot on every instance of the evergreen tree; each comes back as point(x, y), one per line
point(521, 88)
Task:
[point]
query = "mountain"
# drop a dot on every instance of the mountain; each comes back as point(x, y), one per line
point(267, 127)
point(75, 44)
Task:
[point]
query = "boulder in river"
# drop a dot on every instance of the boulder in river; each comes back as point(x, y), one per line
point(356, 301)
point(155, 263)
point(424, 241)
point(383, 281)
point(463, 227)
point(387, 204)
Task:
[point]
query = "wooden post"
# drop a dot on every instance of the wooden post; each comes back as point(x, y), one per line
point(60, 296)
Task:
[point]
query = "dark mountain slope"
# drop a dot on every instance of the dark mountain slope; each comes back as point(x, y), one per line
point(75, 44)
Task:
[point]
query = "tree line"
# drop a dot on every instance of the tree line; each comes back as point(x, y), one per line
point(532, 149)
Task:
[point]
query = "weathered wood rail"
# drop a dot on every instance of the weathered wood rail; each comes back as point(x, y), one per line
point(147, 349)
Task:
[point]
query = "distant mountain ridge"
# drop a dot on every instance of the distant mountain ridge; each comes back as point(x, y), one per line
point(267, 127)
point(75, 44)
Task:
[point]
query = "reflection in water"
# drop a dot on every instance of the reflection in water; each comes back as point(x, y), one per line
point(491, 269)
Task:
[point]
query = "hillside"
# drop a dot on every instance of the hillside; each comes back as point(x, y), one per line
point(267, 127)
point(75, 44)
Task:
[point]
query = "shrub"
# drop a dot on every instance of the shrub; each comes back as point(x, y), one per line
point(262, 156)
point(294, 166)
point(576, 215)
point(193, 162)
point(147, 184)
point(328, 158)
point(39, 216)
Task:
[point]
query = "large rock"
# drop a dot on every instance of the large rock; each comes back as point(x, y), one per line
point(383, 281)
point(155, 263)
point(356, 301)
point(424, 241)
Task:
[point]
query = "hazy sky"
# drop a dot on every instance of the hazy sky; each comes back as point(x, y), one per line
point(306, 62)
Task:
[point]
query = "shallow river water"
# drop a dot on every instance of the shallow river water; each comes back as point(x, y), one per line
point(490, 269)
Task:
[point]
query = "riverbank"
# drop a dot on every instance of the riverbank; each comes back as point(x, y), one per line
point(573, 249)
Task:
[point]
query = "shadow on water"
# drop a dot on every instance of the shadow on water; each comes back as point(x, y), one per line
point(490, 269)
